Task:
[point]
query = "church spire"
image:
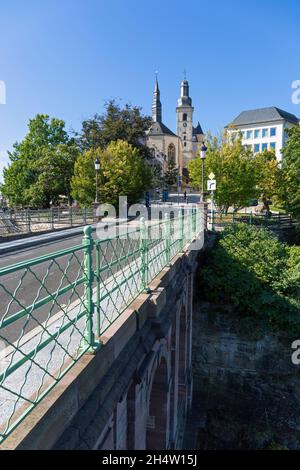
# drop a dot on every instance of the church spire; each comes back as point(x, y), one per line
point(156, 104)
point(184, 99)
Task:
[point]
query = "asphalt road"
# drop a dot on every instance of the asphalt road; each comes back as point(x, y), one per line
point(23, 288)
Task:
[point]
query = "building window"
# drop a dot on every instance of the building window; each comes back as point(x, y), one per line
point(184, 137)
point(264, 147)
point(273, 145)
point(184, 117)
point(171, 153)
point(249, 134)
point(256, 148)
point(265, 132)
point(184, 144)
point(243, 135)
point(256, 133)
point(273, 132)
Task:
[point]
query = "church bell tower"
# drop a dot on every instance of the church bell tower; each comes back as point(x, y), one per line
point(184, 113)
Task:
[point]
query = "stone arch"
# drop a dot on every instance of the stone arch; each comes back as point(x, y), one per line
point(182, 360)
point(174, 382)
point(184, 117)
point(171, 153)
point(131, 416)
point(157, 424)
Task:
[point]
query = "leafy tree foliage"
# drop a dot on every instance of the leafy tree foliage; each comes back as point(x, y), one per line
point(290, 187)
point(268, 177)
point(116, 123)
point(40, 165)
point(251, 270)
point(171, 174)
point(233, 166)
point(123, 172)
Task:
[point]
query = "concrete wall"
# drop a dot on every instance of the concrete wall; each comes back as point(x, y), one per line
point(133, 393)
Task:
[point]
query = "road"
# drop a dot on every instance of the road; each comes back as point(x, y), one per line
point(25, 288)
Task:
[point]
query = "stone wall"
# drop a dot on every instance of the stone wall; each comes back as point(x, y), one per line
point(246, 391)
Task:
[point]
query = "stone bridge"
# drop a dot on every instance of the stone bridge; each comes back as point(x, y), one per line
point(133, 393)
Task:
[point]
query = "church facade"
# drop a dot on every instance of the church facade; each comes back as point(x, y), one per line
point(165, 145)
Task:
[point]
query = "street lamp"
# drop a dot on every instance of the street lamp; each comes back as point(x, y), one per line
point(203, 151)
point(97, 169)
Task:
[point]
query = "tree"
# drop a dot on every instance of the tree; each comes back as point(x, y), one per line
point(234, 169)
point(123, 173)
point(54, 169)
point(268, 177)
point(171, 174)
point(290, 187)
point(27, 163)
point(114, 124)
point(250, 270)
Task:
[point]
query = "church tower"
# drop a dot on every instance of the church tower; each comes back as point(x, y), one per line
point(156, 104)
point(184, 113)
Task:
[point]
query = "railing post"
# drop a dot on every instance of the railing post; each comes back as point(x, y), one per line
point(28, 220)
point(194, 222)
point(167, 236)
point(71, 217)
point(250, 217)
point(181, 228)
point(144, 255)
point(52, 218)
point(88, 245)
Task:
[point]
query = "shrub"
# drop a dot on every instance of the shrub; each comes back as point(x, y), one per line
point(250, 269)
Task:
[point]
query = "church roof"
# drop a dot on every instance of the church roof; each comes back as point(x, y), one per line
point(158, 128)
point(197, 129)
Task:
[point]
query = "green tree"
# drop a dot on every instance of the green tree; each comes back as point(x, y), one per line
point(116, 123)
point(268, 177)
point(290, 187)
point(171, 174)
point(123, 173)
point(54, 170)
point(26, 162)
point(250, 270)
point(234, 169)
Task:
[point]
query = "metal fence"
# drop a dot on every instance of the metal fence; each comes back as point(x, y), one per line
point(218, 220)
point(55, 308)
point(25, 221)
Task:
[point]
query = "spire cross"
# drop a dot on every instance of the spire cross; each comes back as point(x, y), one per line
point(184, 74)
point(156, 74)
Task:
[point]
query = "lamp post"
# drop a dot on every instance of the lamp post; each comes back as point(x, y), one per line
point(203, 151)
point(97, 169)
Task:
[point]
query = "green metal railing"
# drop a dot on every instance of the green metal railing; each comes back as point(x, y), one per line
point(55, 308)
point(29, 220)
point(218, 219)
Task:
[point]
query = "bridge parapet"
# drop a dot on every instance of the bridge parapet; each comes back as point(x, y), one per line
point(131, 341)
point(134, 392)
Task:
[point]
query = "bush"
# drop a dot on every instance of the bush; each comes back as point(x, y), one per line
point(251, 270)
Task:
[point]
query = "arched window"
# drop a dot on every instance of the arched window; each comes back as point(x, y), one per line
point(184, 117)
point(171, 153)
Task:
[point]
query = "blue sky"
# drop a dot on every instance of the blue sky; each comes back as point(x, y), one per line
point(65, 58)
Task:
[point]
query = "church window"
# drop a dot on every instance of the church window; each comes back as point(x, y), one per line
point(184, 117)
point(171, 153)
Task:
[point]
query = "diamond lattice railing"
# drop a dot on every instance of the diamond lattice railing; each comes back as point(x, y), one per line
point(56, 307)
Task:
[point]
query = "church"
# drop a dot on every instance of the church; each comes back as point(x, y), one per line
point(165, 145)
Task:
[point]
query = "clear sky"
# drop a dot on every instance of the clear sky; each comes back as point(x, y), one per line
point(66, 57)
